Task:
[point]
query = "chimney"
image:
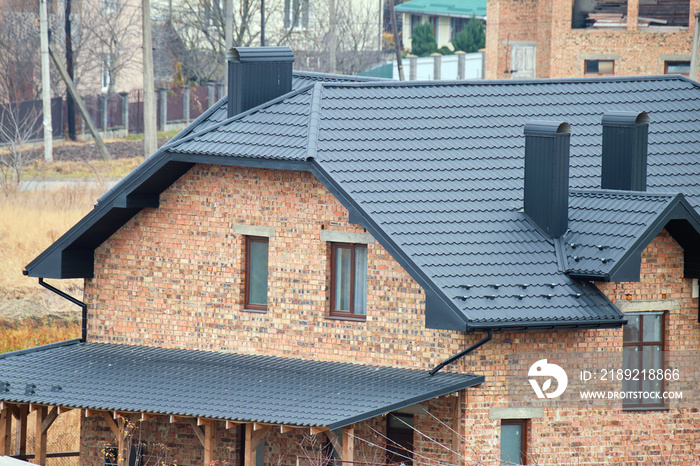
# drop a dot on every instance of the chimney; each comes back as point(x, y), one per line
point(257, 75)
point(546, 196)
point(624, 165)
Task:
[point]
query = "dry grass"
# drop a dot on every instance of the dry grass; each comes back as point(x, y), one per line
point(29, 223)
point(34, 332)
point(81, 169)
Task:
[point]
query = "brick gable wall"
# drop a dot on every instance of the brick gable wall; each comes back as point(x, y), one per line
point(173, 277)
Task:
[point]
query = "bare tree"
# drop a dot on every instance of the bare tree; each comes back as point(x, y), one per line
point(19, 52)
point(19, 123)
point(107, 44)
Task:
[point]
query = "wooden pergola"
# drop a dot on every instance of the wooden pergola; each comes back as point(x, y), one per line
point(203, 428)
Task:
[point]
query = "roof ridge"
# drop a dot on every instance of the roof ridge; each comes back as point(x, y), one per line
point(314, 117)
point(620, 193)
point(501, 82)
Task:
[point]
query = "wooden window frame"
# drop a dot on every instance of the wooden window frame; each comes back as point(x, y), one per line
point(248, 241)
point(641, 344)
point(598, 73)
point(345, 314)
point(523, 435)
point(676, 62)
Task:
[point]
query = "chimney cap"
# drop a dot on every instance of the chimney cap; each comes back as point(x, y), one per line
point(625, 118)
point(546, 128)
point(260, 54)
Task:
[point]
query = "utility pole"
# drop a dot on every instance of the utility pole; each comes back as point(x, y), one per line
point(150, 138)
point(262, 23)
point(228, 34)
point(397, 44)
point(333, 39)
point(70, 104)
point(45, 80)
point(694, 53)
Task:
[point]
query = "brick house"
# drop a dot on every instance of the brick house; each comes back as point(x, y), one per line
point(576, 38)
point(374, 270)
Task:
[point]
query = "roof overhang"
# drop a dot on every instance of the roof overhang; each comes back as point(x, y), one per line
point(217, 386)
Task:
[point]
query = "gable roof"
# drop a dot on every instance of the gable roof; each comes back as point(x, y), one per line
point(434, 171)
point(215, 385)
point(454, 9)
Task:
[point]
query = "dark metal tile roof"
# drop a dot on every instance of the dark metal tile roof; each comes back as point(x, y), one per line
point(434, 171)
point(604, 225)
point(215, 385)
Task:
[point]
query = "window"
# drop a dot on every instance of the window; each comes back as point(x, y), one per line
point(434, 22)
point(296, 14)
point(677, 67)
point(109, 6)
point(458, 24)
point(642, 352)
point(600, 67)
point(348, 280)
point(256, 273)
point(399, 433)
point(105, 80)
point(513, 441)
point(415, 21)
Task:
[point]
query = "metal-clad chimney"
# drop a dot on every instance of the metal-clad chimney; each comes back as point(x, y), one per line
point(257, 75)
point(547, 175)
point(624, 165)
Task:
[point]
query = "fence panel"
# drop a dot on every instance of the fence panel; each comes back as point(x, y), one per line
point(199, 100)
point(136, 111)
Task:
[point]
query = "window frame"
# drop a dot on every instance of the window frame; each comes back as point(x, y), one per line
point(676, 63)
point(247, 305)
point(598, 73)
point(523, 436)
point(345, 314)
point(631, 406)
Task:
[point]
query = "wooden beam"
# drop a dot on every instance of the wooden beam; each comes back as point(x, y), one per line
point(456, 426)
point(63, 409)
point(48, 420)
point(122, 445)
point(208, 443)
point(95, 412)
point(174, 419)
point(284, 429)
point(5, 430)
point(197, 429)
point(14, 409)
point(318, 430)
point(231, 424)
point(258, 426)
point(3, 405)
point(33, 407)
point(348, 445)
point(336, 442)
point(201, 421)
point(147, 416)
point(40, 435)
point(112, 425)
point(21, 437)
point(252, 440)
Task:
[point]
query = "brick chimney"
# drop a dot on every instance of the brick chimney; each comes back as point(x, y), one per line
point(546, 196)
point(257, 75)
point(624, 164)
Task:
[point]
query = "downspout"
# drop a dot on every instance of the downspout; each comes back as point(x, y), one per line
point(462, 353)
point(70, 298)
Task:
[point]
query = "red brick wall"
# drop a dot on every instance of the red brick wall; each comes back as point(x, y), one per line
point(173, 277)
point(559, 48)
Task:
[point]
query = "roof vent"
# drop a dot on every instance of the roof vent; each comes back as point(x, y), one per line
point(257, 75)
point(546, 196)
point(624, 164)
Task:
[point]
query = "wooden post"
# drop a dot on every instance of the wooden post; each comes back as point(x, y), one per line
point(123, 458)
point(252, 440)
point(40, 439)
point(457, 427)
point(208, 443)
point(21, 438)
point(5, 430)
point(348, 445)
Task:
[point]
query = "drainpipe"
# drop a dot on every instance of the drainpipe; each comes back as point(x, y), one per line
point(70, 298)
point(462, 354)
